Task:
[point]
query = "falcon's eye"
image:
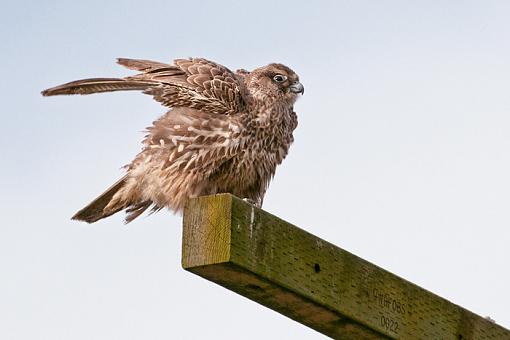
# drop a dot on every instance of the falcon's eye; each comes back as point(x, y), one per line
point(279, 78)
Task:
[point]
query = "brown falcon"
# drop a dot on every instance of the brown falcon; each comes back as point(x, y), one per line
point(225, 132)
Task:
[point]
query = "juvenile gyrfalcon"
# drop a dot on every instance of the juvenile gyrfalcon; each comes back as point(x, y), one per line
point(225, 133)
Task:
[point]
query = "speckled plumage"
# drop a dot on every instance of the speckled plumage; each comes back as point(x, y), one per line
point(224, 132)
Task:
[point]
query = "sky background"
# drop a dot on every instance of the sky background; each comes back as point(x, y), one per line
point(402, 156)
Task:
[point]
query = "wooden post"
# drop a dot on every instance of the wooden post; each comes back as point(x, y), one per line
point(316, 283)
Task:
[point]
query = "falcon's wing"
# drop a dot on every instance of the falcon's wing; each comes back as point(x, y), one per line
point(195, 83)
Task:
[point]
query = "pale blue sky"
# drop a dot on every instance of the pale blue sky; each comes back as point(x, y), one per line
point(402, 156)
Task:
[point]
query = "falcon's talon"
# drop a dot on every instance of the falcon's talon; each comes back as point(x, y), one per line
point(250, 201)
point(225, 132)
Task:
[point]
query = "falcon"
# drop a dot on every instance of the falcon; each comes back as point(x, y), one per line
point(225, 132)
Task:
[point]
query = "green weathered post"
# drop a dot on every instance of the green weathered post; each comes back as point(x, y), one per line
point(316, 283)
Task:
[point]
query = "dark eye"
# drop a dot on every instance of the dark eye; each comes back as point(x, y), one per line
point(279, 78)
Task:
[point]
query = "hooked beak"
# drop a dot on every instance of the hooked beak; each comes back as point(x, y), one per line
point(297, 87)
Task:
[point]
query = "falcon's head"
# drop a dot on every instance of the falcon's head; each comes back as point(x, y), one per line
point(274, 81)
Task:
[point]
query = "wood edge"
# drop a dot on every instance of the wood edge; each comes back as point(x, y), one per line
point(206, 230)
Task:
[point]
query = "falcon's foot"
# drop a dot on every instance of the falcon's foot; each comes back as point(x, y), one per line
point(250, 201)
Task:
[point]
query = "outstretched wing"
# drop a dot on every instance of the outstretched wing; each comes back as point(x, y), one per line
point(195, 83)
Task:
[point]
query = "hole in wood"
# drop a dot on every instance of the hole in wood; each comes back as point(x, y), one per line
point(317, 267)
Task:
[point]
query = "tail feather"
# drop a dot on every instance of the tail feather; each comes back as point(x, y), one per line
point(136, 210)
point(97, 85)
point(95, 210)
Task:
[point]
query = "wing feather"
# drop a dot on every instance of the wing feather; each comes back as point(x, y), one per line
point(196, 83)
point(205, 85)
point(142, 65)
point(96, 85)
